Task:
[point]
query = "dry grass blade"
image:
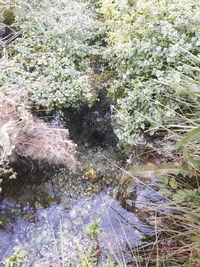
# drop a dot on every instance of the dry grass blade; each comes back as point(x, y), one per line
point(39, 141)
point(22, 134)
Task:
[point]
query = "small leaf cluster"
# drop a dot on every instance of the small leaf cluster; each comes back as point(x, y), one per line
point(93, 229)
point(87, 258)
point(6, 172)
point(18, 257)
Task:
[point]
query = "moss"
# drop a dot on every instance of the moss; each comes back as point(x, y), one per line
point(9, 16)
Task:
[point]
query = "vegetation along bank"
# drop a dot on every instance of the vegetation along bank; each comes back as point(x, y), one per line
point(99, 103)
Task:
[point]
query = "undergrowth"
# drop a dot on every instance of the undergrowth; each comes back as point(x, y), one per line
point(145, 46)
point(177, 226)
point(151, 52)
point(53, 54)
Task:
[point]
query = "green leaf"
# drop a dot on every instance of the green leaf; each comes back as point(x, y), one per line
point(149, 171)
point(21, 254)
point(173, 183)
point(179, 197)
point(191, 158)
point(166, 180)
point(164, 192)
point(193, 135)
point(196, 239)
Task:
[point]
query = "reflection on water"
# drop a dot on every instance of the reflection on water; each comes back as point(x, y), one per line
point(121, 229)
point(48, 220)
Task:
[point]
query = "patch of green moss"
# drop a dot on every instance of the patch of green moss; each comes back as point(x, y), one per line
point(9, 16)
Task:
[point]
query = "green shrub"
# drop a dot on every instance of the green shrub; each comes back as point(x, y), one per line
point(56, 58)
point(145, 47)
point(52, 57)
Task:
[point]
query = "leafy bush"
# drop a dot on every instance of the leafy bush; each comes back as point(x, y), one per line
point(58, 56)
point(52, 57)
point(178, 181)
point(145, 47)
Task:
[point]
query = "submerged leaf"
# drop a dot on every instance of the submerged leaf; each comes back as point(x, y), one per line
point(21, 254)
point(173, 183)
point(164, 192)
point(150, 171)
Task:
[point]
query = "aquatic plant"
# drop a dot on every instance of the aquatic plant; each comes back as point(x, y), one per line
point(93, 230)
point(18, 258)
point(149, 46)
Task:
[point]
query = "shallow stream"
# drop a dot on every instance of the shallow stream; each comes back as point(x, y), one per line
point(46, 211)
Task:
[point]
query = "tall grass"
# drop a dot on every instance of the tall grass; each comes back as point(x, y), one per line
point(177, 241)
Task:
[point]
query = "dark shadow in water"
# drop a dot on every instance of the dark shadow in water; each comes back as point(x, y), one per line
point(89, 126)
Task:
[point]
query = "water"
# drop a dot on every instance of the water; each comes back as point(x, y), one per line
point(46, 210)
point(36, 215)
point(119, 228)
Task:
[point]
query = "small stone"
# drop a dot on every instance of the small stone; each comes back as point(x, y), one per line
point(73, 213)
point(78, 221)
point(2, 31)
point(67, 224)
point(85, 213)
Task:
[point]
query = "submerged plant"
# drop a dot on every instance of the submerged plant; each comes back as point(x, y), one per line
point(18, 258)
point(87, 258)
point(93, 229)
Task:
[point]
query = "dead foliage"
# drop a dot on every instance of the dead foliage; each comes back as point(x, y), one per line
point(40, 141)
point(24, 135)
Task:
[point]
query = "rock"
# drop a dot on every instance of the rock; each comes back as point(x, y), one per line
point(66, 225)
point(78, 221)
point(73, 214)
point(91, 175)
